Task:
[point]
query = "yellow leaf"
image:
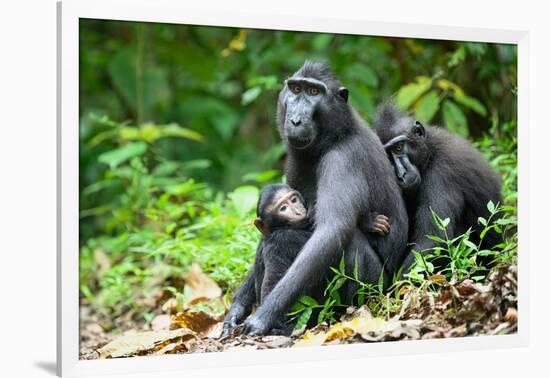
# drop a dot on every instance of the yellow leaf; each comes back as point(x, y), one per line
point(449, 85)
point(311, 339)
point(339, 331)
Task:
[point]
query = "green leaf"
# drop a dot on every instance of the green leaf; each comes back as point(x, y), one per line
point(197, 164)
point(440, 223)
point(435, 238)
point(470, 244)
point(409, 93)
point(381, 281)
point(335, 296)
point(454, 118)
point(308, 301)
point(304, 318)
point(505, 221)
point(114, 157)
point(457, 57)
point(338, 284)
point(244, 199)
point(250, 95)
point(174, 130)
point(297, 308)
point(485, 231)
point(322, 315)
point(361, 298)
point(356, 268)
point(363, 73)
point(471, 103)
point(482, 220)
point(447, 85)
point(427, 106)
point(491, 207)
point(342, 265)
point(268, 82)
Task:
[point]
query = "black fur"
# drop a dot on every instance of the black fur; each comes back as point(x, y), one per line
point(341, 169)
point(454, 179)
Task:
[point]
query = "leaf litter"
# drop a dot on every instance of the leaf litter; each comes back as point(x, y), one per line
point(465, 308)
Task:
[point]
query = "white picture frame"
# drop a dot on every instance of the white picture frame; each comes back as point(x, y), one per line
point(69, 13)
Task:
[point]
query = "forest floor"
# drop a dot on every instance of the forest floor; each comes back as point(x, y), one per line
point(458, 309)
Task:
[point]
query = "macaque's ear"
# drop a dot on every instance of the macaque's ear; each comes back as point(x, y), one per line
point(344, 93)
point(419, 130)
point(261, 226)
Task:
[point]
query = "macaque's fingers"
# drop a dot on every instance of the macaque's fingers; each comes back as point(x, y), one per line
point(378, 230)
point(228, 330)
point(386, 225)
point(382, 220)
point(383, 217)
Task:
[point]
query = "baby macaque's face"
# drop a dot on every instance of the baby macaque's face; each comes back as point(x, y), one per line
point(288, 205)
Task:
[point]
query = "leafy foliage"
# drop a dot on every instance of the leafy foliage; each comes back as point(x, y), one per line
point(177, 137)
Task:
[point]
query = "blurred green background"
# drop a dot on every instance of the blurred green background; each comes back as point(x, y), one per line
point(177, 136)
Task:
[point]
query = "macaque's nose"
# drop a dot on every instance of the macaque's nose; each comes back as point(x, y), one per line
point(296, 121)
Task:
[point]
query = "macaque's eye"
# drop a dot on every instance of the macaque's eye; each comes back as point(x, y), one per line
point(399, 147)
point(296, 88)
point(293, 199)
point(282, 209)
point(312, 91)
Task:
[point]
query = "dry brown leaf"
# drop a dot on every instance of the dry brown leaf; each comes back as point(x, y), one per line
point(457, 331)
point(468, 287)
point(143, 342)
point(354, 312)
point(511, 315)
point(160, 322)
point(277, 341)
point(174, 347)
point(95, 328)
point(215, 331)
point(170, 306)
point(439, 279)
point(202, 287)
point(199, 322)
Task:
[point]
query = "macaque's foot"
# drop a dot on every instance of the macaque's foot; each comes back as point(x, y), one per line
point(233, 319)
point(255, 326)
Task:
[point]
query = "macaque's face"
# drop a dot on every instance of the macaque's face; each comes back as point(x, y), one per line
point(288, 205)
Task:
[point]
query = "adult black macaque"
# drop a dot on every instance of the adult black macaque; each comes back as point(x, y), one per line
point(340, 167)
point(437, 171)
point(283, 220)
